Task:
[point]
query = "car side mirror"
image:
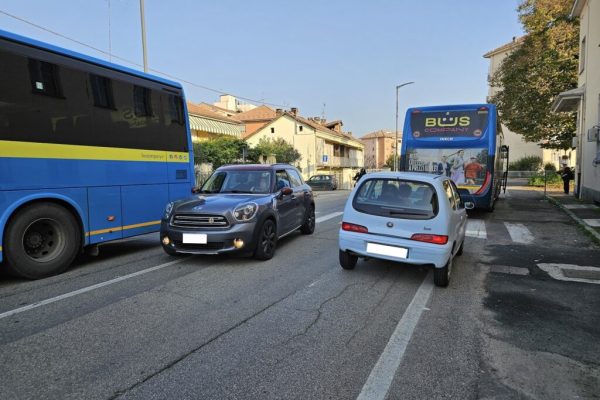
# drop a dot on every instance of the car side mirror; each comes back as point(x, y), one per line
point(286, 191)
point(469, 205)
point(195, 190)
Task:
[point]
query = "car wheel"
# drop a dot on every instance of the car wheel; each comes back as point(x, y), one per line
point(347, 260)
point(267, 241)
point(460, 249)
point(309, 222)
point(41, 240)
point(441, 276)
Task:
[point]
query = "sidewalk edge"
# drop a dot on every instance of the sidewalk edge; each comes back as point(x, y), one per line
point(588, 228)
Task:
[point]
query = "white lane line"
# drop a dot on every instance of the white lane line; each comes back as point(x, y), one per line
point(86, 289)
point(519, 233)
point(328, 216)
point(116, 280)
point(382, 375)
point(476, 229)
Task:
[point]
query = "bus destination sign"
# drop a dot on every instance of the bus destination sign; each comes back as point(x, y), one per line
point(447, 124)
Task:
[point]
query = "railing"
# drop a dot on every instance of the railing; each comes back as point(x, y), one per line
point(344, 162)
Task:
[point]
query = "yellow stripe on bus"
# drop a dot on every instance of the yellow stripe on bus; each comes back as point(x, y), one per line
point(75, 152)
point(122, 228)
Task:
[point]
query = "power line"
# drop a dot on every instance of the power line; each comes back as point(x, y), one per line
point(110, 55)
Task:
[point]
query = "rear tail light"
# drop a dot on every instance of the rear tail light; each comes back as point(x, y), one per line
point(428, 238)
point(354, 228)
point(483, 108)
point(486, 183)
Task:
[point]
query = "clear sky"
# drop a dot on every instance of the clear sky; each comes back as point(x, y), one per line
point(346, 54)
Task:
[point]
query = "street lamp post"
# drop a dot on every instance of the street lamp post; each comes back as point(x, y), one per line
point(396, 143)
point(143, 19)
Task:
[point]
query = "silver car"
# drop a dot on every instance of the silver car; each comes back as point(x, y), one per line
point(412, 218)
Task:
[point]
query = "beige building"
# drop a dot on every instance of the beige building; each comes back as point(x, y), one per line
point(205, 123)
point(231, 103)
point(585, 99)
point(323, 150)
point(379, 146)
point(518, 147)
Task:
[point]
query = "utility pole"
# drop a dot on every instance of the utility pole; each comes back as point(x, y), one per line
point(396, 142)
point(144, 35)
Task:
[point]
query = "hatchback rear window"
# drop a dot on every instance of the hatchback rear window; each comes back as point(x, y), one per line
point(396, 198)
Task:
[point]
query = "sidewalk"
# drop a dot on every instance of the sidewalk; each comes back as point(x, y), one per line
point(585, 214)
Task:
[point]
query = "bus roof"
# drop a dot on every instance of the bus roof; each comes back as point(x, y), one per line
point(452, 107)
point(82, 57)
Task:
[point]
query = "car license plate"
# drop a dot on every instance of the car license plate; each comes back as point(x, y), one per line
point(392, 251)
point(195, 238)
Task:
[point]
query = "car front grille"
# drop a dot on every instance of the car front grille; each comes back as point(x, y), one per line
point(210, 246)
point(199, 221)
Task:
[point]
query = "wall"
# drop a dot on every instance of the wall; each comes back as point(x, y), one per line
point(590, 107)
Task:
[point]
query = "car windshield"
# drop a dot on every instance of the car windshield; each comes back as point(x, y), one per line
point(242, 181)
point(396, 198)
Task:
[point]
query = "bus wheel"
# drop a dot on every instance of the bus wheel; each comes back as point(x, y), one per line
point(41, 240)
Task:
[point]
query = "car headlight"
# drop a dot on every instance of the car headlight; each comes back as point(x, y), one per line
point(245, 212)
point(169, 210)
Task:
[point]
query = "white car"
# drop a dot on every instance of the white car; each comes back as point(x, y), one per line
point(412, 218)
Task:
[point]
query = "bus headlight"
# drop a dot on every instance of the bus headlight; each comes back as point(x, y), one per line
point(168, 210)
point(245, 212)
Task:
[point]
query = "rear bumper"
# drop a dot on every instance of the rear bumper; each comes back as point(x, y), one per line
point(419, 253)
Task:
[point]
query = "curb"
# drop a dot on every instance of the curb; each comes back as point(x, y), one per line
point(575, 217)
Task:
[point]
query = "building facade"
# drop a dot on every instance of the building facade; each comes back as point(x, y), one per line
point(206, 124)
point(379, 146)
point(585, 99)
point(518, 147)
point(323, 150)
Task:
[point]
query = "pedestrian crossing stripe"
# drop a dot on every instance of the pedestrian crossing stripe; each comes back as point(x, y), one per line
point(476, 229)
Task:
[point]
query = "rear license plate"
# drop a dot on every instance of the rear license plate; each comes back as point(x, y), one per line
point(392, 251)
point(195, 238)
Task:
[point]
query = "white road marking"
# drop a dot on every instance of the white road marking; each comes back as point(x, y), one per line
point(476, 229)
point(86, 289)
point(116, 280)
point(381, 376)
point(579, 206)
point(519, 233)
point(328, 216)
point(557, 271)
point(594, 222)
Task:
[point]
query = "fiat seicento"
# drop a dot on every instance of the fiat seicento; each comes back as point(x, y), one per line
point(413, 218)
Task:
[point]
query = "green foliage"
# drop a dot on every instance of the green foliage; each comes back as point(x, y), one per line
point(218, 151)
point(542, 66)
point(282, 150)
point(390, 161)
point(552, 179)
point(529, 163)
point(550, 167)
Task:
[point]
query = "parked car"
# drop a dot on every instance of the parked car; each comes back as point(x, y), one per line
point(240, 208)
point(324, 182)
point(412, 218)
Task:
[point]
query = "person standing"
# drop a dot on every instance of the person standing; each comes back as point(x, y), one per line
point(458, 167)
point(472, 170)
point(566, 176)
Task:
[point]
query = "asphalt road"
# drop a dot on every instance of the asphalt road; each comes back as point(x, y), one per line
point(134, 323)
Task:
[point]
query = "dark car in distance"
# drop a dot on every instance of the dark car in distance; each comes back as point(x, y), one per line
point(240, 208)
point(323, 182)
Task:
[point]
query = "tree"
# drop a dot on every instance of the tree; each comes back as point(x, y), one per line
point(282, 150)
point(223, 149)
point(543, 65)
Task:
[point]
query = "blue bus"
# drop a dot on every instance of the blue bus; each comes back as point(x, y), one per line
point(463, 142)
point(89, 152)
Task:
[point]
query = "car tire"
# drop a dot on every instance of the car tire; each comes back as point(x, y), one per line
point(41, 240)
point(347, 260)
point(309, 221)
point(441, 276)
point(461, 248)
point(267, 241)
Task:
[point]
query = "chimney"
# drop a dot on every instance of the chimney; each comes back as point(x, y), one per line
point(294, 111)
point(278, 112)
point(317, 120)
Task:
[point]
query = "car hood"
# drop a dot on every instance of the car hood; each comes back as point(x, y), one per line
point(216, 203)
